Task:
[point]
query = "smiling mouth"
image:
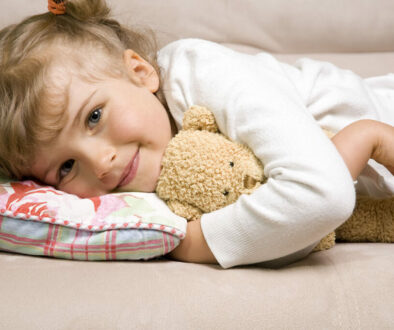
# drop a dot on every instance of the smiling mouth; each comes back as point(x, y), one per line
point(130, 170)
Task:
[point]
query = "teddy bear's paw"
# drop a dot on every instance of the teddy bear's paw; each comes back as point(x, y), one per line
point(326, 243)
point(199, 118)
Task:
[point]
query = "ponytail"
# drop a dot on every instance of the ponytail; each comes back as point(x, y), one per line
point(92, 11)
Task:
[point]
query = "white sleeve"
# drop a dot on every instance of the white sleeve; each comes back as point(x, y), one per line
point(338, 97)
point(309, 191)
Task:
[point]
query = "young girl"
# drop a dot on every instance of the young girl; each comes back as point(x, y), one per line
point(87, 107)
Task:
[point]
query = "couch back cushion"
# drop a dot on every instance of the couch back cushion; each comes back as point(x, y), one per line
point(279, 26)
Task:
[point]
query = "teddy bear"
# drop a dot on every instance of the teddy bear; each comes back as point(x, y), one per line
point(202, 171)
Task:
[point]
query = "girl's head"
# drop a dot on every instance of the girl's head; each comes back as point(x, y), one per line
point(78, 103)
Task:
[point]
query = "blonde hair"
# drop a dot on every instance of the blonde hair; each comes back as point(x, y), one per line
point(31, 49)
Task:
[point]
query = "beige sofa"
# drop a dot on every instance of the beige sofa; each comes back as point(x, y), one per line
point(348, 287)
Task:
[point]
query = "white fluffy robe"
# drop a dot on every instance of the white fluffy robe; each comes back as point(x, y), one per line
point(276, 110)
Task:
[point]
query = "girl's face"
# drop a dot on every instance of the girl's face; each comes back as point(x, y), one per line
point(114, 137)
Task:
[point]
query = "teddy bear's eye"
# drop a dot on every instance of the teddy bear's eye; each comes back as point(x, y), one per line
point(225, 193)
point(231, 164)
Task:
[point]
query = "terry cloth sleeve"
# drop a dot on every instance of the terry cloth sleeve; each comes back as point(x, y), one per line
point(309, 191)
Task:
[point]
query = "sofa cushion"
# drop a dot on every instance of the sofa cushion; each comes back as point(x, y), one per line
point(279, 26)
point(347, 287)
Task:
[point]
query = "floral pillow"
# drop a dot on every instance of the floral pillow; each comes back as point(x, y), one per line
point(40, 220)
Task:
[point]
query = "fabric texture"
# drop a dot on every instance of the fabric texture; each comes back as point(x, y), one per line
point(348, 287)
point(39, 220)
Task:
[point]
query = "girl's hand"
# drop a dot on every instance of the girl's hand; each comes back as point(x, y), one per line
point(193, 248)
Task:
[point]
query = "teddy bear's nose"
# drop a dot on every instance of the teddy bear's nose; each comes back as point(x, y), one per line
point(249, 182)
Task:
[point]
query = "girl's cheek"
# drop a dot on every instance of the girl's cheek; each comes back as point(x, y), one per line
point(125, 130)
point(77, 187)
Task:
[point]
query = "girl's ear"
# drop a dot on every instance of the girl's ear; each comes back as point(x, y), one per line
point(140, 70)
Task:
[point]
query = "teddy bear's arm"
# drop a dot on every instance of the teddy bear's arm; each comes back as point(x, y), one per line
point(199, 118)
point(184, 210)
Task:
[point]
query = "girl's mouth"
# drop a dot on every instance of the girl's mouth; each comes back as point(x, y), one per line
point(130, 170)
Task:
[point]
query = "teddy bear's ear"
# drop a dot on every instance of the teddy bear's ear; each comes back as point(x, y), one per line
point(199, 118)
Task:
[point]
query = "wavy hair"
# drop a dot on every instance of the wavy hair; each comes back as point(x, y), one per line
point(85, 41)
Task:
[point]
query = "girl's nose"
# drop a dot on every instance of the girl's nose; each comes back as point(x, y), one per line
point(103, 163)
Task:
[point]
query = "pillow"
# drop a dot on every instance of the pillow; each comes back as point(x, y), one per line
point(40, 220)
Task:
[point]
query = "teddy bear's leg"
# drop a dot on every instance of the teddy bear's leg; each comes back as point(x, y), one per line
point(371, 221)
point(199, 118)
point(326, 243)
point(184, 210)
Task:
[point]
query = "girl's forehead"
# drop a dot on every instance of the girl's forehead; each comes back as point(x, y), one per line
point(70, 75)
point(56, 89)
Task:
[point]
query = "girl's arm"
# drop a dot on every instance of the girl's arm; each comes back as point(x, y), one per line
point(194, 247)
point(356, 143)
point(365, 139)
point(309, 191)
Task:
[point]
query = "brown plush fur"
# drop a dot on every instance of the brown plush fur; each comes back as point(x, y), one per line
point(203, 171)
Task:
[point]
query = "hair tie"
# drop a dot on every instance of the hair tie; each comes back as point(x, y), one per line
point(57, 7)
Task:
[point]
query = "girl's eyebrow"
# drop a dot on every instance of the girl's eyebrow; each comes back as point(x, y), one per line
point(77, 118)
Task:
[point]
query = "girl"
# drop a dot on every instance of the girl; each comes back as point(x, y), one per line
point(87, 107)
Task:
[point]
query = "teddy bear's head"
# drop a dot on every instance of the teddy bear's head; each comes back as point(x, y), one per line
point(203, 169)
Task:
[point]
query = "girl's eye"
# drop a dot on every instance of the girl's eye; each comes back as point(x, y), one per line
point(66, 168)
point(94, 117)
